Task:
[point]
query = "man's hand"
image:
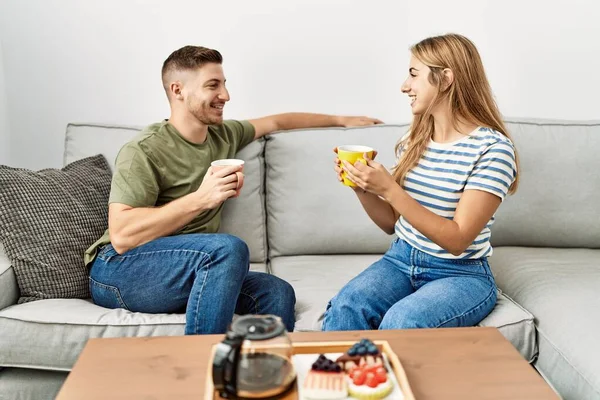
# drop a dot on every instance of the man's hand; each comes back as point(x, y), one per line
point(358, 121)
point(218, 186)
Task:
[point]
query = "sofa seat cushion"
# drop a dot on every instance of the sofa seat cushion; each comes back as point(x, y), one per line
point(560, 288)
point(50, 334)
point(317, 279)
point(30, 384)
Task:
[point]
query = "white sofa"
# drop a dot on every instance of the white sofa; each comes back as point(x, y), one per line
point(302, 225)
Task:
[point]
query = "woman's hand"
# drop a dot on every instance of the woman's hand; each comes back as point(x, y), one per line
point(373, 177)
point(338, 169)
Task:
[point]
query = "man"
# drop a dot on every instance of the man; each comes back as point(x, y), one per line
point(161, 253)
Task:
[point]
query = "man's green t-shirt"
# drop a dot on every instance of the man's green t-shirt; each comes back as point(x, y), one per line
point(159, 166)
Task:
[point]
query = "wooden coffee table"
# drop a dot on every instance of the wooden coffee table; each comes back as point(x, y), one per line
point(455, 363)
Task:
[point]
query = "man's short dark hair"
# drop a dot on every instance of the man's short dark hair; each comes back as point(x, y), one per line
point(189, 58)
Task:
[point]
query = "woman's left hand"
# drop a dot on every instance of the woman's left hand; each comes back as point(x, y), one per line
point(373, 177)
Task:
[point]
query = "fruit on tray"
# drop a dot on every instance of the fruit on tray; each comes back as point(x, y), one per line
point(369, 382)
point(361, 353)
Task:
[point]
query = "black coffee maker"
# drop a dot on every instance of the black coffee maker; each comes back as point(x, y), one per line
point(254, 360)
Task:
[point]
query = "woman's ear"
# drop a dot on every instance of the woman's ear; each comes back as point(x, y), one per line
point(448, 78)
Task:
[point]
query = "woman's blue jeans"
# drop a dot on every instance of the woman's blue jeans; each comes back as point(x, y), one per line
point(205, 275)
point(408, 288)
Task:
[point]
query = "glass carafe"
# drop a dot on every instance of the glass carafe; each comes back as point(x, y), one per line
point(255, 359)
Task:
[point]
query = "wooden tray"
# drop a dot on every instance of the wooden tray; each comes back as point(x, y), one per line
point(318, 348)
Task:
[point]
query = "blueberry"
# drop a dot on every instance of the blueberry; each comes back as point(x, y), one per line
point(352, 352)
point(315, 366)
point(362, 350)
point(372, 349)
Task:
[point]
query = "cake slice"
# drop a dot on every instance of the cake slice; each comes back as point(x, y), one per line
point(325, 381)
point(369, 382)
point(361, 353)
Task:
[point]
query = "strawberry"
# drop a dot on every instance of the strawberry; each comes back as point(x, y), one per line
point(359, 377)
point(371, 368)
point(371, 380)
point(381, 375)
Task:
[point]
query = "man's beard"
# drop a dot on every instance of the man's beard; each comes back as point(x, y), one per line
point(203, 115)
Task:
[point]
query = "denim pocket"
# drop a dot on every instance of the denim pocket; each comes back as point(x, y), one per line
point(106, 251)
point(106, 295)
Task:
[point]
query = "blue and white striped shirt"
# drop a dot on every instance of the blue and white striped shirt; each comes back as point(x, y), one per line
point(484, 160)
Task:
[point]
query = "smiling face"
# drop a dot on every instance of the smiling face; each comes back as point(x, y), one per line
point(204, 93)
point(418, 87)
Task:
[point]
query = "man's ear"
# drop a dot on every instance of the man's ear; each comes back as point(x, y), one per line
point(176, 90)
point(448, 78)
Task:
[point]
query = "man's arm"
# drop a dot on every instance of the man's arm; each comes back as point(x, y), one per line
point(130, 227)
point(282, 122)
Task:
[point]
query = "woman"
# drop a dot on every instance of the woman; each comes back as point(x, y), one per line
point(455, 166)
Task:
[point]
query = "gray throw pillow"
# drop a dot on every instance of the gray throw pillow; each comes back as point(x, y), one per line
point(48, 218)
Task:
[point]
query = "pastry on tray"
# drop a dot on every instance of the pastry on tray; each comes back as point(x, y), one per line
point(361, 353)
point(369, 382)
point(325, 381)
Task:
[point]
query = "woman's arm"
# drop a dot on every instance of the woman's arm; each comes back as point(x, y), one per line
point(473, 211)
point(380, 211)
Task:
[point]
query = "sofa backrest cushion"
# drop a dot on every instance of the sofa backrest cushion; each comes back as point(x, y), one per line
point(557, 203)
point(243, 217)
point(308, 210)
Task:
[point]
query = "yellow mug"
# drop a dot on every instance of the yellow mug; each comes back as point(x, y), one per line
point(352, 154)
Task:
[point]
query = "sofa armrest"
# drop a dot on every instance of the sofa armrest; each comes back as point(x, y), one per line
point(9, 290)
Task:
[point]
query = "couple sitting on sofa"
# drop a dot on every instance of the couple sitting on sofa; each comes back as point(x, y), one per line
point(454, 168)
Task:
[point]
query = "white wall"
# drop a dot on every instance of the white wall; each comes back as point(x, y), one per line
point(4, 124)
point(74, 61)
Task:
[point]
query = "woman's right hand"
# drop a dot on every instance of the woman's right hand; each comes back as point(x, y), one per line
point(338, 169)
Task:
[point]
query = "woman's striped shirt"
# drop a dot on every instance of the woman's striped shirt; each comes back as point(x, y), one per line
point(484, 160)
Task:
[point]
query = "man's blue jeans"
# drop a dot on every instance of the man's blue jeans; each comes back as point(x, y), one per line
point(408, 288)
point(205, 275)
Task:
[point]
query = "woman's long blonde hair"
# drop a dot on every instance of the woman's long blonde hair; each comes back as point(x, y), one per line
point(469, 96)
